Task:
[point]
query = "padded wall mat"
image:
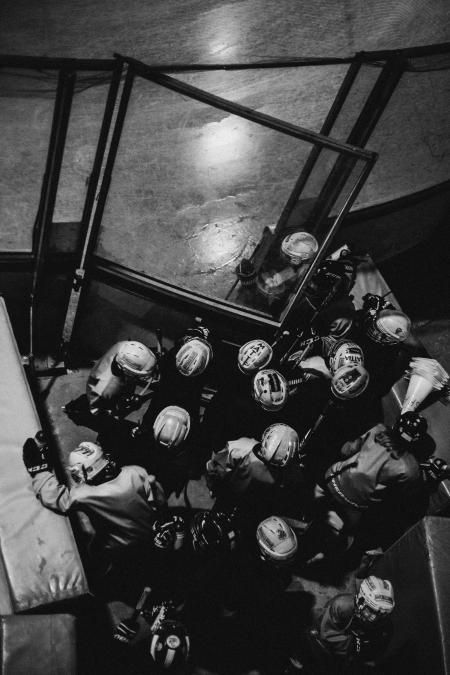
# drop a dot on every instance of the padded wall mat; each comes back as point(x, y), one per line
point(37, 546)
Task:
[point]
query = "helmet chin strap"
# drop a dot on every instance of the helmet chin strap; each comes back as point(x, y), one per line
point(108, 472)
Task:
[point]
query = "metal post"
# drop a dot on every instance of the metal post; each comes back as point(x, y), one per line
point(92, 237)
point(41, 234)
point(85, 230)
point(313, 156)
point(360, 134)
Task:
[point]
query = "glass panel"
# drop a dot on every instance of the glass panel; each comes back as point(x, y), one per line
point(26, 111)
point(354, 102)
point(286, 262)
point(284, 93)
point(192, 190)
point(81, 142)
point(413, 135)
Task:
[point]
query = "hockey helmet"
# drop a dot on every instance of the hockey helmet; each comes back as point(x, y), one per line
point(278, 446)
point(344, 353)
point(254, 355)
point(136, 360)
point(270, 389)
point(86, 462)
point(170, 644)
point(169, 534)
point(411, 427)
point(276, 540)
point(349, 381)
point(374, 600)
point(172, 426)
point(389, 326)
point(213, 531)
point(193, 357)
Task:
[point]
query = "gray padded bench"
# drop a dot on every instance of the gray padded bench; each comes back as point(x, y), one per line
point(39, 559)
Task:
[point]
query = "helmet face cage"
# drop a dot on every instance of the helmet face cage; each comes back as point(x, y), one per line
point(201, 332)
point(375, 600)
point(193, 357)
point(270, 389)
point(254, 355)
point(86, 461)
point(276, 540)
point(137, 361)
point(278, 445)
point(349, 381)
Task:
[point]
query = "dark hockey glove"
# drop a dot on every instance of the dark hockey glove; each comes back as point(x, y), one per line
point(436, 469)
point(126, 631)
point(36, 455)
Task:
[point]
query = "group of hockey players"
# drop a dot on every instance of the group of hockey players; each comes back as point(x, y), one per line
point(297, 460)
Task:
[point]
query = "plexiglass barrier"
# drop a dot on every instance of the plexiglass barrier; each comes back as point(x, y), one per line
point(26, 109)
point(27, 104)
point(198, 186)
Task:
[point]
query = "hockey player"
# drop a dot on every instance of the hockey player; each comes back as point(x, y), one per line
point(183, 371)
point(116, 375)
point(167, 453)
point(262, 475)
point(357, 627)
point(354, 631)
point(383, 332)
point(379, 460)
point(375, 465)
point(121, 503)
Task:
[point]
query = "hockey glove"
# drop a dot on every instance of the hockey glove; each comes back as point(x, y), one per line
point(126, 631)
point(436, 469)
point(35, 455)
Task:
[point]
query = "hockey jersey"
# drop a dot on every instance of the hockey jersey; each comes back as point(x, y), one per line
point(372, 465)
point(122, 510)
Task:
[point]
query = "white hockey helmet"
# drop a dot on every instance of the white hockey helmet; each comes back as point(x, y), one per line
point(278, 446)
point(172, 426)
point(349, 381)
point(270, 389)
point(374, 600)
point(136, 360)
point(254, 355)
point(344, 353)
point(276, 540)
point(193, 357)
point(86, 461)
point(390, 326)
